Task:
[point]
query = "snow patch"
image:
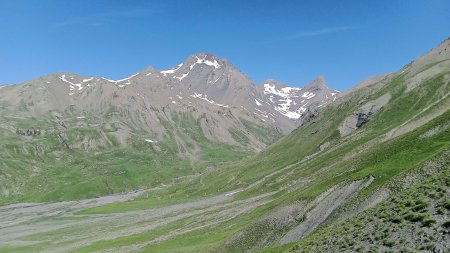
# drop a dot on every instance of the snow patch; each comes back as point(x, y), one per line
point(121, 80)
point(151, 141)
point(308, 95)
point(182, 76)
point(286, 94)
point(72, 84)
point(171, 71)
point(205, 97)
point(257, 103)
point(215, 64)
point(288, 90)
point(63, 78)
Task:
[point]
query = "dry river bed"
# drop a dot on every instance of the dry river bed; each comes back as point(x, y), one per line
point(53, 227)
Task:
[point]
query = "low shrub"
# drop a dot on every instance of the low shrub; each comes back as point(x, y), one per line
point(446, 204)
point(389, 242)
point(415, 217)
point(428, 222)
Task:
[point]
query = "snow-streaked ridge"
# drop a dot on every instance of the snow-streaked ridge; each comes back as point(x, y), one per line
point(171, 71)
point(174, 72)
point(205, 97)
point(203, 60)
point(121, 80)
point(73, 85)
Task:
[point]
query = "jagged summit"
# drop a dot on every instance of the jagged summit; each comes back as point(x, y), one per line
point(201, 62)
point(209, 57)
point(201, 58)
point(149, 71)
point(293, 102)
point(317, 84)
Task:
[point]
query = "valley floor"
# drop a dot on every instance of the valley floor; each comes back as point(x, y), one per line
point(55, 227)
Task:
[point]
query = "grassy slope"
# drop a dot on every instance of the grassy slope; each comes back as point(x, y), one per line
point(313, 190)
point(41, 168)
point(415, 219)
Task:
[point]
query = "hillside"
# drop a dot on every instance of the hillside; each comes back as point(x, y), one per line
point(359, 173)
point(416, 219)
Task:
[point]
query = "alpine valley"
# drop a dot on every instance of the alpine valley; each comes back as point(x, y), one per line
point(199, 158)
point(104, 136)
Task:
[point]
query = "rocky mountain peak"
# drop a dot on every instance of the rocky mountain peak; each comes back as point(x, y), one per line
point(208, 57)
point(148, 70)
point(204, 58)
point(293, 102)
point(317, 84)
point(203, 62)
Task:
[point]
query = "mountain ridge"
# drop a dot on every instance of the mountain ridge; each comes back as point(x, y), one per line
point(229, 87)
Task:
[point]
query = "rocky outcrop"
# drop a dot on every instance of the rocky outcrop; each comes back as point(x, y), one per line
point(307, 116)
point(265, 231)
point(323, 207)
point(360, 117)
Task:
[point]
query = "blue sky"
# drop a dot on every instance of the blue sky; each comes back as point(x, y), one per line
point(291, 41)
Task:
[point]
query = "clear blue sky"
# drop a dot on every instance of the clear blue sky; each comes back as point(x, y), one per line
point(291, 41)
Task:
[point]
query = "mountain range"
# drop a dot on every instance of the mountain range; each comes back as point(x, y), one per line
point(184, 112)
point(201, 85)
point(199, 158)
